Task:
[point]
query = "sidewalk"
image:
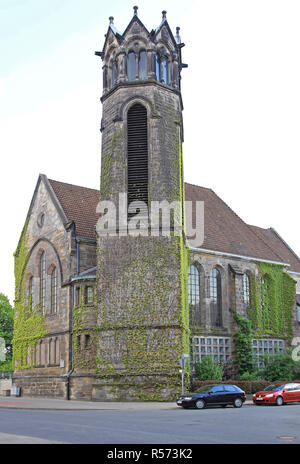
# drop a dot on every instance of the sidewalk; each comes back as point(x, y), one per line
point(64, 405)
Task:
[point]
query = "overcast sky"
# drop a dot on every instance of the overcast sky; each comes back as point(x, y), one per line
point(241, 99)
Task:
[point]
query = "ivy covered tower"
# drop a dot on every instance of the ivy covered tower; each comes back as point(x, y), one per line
point(141, 281)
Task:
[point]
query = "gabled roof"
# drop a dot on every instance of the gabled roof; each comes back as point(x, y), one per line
point(225, 231)
point(79, 205)
point(133, 20)
point(166, 24)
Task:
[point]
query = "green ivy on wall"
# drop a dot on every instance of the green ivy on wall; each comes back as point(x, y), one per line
point(29, 322)
point(272, 300)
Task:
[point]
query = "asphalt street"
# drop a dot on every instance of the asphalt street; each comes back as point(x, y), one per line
point(248, 425)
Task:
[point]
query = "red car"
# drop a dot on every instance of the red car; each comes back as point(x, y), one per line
point(278, 394)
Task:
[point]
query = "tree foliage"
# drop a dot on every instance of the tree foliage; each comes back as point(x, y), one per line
point(6, 325)
point(208, 369)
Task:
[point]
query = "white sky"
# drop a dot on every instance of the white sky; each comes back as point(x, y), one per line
point(241, 98)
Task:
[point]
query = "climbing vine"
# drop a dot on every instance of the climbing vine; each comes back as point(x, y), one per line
point(272, 300)
point(29, 322)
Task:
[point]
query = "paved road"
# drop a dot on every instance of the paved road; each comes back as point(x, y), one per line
point(250, 424)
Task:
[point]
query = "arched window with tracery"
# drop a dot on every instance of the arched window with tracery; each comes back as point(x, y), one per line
point(54, 291)
point(194, 294)
point(215, 292)
point(43, 281)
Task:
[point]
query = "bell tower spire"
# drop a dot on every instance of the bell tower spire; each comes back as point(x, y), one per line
point(143, 321)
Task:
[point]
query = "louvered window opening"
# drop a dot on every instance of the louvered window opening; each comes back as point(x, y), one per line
point(137, 145)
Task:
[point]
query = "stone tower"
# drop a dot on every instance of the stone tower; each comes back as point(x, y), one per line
point(142, 272)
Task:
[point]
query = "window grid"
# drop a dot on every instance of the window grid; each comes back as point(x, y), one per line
point(193, 285)
point(266, 346)
point(217, 347)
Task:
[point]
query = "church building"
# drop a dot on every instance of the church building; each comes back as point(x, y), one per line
point(106, 315)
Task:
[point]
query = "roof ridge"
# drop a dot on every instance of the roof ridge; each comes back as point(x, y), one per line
point(285, 243)
point(199, 186)
point(73, 185)
point(262, 239)
point(247, 225)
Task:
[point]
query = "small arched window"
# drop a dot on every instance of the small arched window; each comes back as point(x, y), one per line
point(165, 71)
point(215, 290)
point(246, 289)
point(194, 294)
point(43, 281)
point(157, 68)
point(54, 291)
point(131, 66)
point(142, 65)
point(113, 74)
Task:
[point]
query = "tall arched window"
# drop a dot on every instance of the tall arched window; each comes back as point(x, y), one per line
point(246, 289)
point(131, 66)
point(54, 291)
point(215, 291)
point(137, 145)
point(194, 294)
point(43, 281)
point(157, 68)
point(162, 69)
point(142, 65)
point(113, 74)
point(30, 292)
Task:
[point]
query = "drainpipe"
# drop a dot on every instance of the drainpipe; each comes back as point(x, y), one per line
point(68, 375)
point(68, 383)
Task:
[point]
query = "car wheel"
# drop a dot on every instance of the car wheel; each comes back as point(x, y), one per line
point(238, 403)
point(200, 404)
point(224, 405)
point(279, 401)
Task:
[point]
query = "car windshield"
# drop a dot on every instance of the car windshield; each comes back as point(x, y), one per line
point(203, 389)
point(273, 387)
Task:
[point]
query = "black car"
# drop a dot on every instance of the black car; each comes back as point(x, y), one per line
point(210, 395)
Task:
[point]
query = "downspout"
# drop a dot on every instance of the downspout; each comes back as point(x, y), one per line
point(71, 370)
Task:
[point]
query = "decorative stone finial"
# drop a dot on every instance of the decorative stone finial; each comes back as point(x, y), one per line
point(135, 9)
point(177, 37)
point(164, 14)
point(111, 20)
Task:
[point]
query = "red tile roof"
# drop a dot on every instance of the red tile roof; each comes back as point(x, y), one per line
point(225, 231)
point(79, 205)
point(274, 241)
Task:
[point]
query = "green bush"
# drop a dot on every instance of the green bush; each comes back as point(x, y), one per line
point(242, 344)
point(252, 376)
point(208, 369)
point(280, 367)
